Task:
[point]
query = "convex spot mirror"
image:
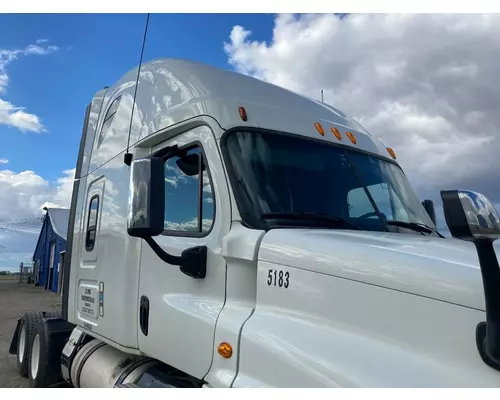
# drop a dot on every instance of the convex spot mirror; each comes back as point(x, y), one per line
point(470, 216)
point(146, 198)
point(189, 165)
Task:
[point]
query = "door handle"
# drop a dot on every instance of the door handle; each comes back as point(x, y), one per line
point(144, 315)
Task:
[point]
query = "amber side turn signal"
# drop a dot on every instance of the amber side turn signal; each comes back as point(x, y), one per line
point(243, 113)
point(225, 350)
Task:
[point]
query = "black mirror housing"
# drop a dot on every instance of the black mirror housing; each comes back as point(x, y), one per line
point(146, 198)
point(470, 216)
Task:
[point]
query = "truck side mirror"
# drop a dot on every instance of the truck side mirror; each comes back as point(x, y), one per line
point(146, 198)
point(146, 214)
point(470, 216)
point(429, 207)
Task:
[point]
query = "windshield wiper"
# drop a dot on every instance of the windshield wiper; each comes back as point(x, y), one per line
point(329, 219)
point(415, 226)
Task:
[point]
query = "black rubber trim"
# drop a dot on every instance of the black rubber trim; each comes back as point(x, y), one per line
point(72, 213)
point(89, 227)
point(481, 347)
point(83, 140)
point(84, 360)
point(133, 366)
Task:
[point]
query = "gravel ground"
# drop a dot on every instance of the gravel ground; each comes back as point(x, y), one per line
point(16, 299)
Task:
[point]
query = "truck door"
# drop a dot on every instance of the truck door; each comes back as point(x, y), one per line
point(177, 313)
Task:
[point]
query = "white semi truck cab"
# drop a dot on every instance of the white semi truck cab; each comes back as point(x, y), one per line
point(225, 232)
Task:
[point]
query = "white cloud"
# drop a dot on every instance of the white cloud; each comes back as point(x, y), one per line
point(422, 83)
point(23, 196)
point(64, 188)
point(16, 117)
point(10, 114)
point(188, 225)
point(3, 161)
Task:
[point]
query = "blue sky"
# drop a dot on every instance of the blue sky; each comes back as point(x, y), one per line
point(94, 51)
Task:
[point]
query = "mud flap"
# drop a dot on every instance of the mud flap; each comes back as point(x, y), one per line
point(13, 343)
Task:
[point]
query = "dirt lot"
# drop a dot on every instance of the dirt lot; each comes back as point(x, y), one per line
point(15, 299)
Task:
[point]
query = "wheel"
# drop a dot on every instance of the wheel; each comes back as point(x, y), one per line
point(35, 357)
point(22, 345)
point(48, 341)
point(26, 332)
point(25, 337)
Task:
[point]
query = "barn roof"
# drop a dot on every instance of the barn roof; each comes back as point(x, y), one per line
point(59, 218)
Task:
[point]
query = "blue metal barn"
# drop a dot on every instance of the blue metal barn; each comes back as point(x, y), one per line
point(49, 252)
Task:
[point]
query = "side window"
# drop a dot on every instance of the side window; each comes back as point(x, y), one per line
point(92, 223)
point(108, 119)
point(189, 199)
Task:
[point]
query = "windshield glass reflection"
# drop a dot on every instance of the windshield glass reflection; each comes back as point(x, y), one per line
point(284, 175)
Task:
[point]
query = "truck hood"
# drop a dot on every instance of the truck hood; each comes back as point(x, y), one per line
point(442, 269)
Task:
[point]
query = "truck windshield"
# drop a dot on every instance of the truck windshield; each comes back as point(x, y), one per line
point(286, 180)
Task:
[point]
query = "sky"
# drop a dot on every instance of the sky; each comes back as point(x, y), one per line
point(423, 83)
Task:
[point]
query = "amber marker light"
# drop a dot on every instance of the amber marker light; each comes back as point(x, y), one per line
point(319, 128)
point(337, 134)
point(243, 113)
point(351, 137)
point(225, 350)
point(391, 152)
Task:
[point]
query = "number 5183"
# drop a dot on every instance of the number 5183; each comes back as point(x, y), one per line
point(278, 278)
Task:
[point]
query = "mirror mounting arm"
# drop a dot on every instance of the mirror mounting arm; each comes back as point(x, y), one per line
point(488, 333)
point(192, 262)
point(168, 152)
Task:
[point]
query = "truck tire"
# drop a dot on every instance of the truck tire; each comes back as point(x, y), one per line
point(25, 337)
point(44, 368)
